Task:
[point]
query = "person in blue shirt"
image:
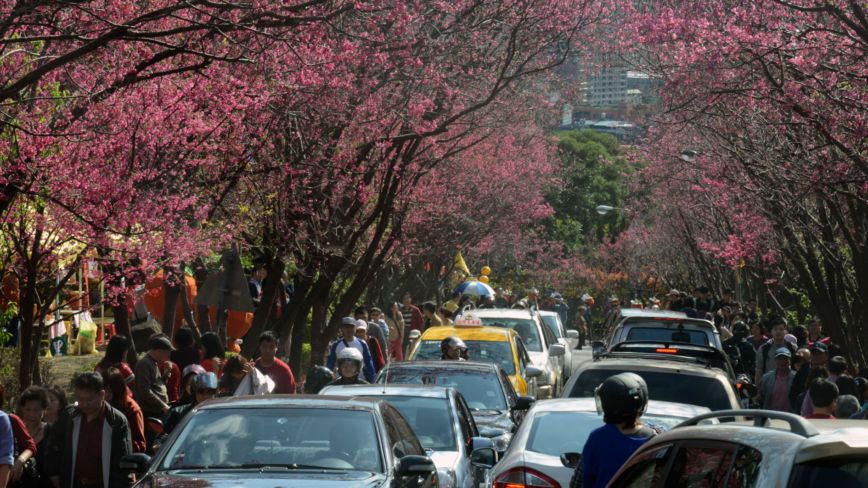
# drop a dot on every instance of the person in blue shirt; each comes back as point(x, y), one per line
point(561, 308)
point(348, 339)
point(622, 399)
point(7, 449)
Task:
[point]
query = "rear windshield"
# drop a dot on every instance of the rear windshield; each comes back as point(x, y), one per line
point(481, 389)
point(525, 328)
point(664, 387)
point(499, 353)
point(667, 335)
point(832, 472)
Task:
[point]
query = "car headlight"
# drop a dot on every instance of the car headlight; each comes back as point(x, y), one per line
point(501, 442)
point(446, 478)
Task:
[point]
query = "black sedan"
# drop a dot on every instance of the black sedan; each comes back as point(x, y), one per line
point(495, 407)
point(292, 440)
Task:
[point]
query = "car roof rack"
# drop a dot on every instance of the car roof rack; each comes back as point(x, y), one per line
point(798, 425)
point(655, 357)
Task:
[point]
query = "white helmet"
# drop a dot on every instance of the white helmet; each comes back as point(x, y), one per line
point(350, 354)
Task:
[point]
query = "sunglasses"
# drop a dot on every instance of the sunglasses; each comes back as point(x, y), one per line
point(206, 391)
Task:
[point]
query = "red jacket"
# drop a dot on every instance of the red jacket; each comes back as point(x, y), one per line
point(22, 438)
point(376, 354)
point(416, 323)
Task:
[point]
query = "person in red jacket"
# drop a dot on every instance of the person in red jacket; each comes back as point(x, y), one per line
point(373, 346)
point(25, 448)
point(269, 365)
point(115, 395)
point(412, 320)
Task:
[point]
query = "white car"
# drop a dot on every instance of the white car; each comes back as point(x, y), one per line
point(543, 348)
point(556, 427)
point(441, 420)
point(569, 338)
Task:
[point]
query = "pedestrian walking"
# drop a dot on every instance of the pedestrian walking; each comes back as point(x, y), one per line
point(774, 388)
point(116, 395)
point(115, 355)
point(374, 348)
point(269, 365)
point(56, 402)
point(7, 449)
point(824, 396)
point(378, 330)
point(151, 392)
point(32, 403)
point(88, 441)
point(766, 358)
point(412, 320)
point(395, 321)
point(213, 352)
point(187, 353)
point(431, 318)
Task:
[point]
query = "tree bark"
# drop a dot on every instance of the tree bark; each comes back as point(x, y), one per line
point(266, 307)
point(171, 292)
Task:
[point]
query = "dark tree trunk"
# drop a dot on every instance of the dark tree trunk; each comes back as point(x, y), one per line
point(187, 310)
point(172, 291)
point(266, 307)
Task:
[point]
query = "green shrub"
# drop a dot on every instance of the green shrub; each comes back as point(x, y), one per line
point(10, 362)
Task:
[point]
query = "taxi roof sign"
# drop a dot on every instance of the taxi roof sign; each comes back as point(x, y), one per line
point(468, 321)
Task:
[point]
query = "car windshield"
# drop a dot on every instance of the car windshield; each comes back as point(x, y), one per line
point(226, 438)
point(480, 388)
point(430, 418)
point(499, 353)
point(552, 322)
point(526, 329)
point(554, 433)
point(667, 335)
point(665, 387)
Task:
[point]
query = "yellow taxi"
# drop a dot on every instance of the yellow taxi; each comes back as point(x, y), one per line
point(497, 345)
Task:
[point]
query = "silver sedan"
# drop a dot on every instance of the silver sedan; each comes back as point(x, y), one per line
point(555, 427)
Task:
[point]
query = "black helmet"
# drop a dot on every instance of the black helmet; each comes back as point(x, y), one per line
point(622, 396)
point(452, 341)
point(317, 378)
point(740, 328)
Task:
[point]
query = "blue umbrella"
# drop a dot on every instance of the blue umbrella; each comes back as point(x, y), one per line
point(474, 288)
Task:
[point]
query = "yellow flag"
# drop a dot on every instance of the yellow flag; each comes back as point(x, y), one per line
point(460, 264)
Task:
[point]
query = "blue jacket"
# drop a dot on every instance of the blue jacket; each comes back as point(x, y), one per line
point(366, 355)
point(606, 450)
point(7, 441)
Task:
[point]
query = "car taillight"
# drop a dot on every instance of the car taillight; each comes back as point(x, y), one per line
point(668, 351)
point(524, 478)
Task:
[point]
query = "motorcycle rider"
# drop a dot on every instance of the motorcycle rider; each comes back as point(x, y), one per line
point(317, 378)
point(452, 349)
point(746, 354)
point(349, 364)
point(203, 387)
point(622, 399)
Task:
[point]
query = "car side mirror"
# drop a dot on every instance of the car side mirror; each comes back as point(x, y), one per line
point(598, 351)
point(137, 463)
point(534, 372)
point(523, 403)
point(412, 465)
point(571, 459)
point(155, 425)
point(572, 334)
point(596, 344)
point(557, 351)
point(485, 457)
point(480, 443)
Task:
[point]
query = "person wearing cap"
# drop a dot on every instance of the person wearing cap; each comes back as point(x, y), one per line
point(775, 386)
point(150, 390)
point(674, 301)
point(349, 339)
point(819, 360)
point(765, 360)
point(374, 331)
point(561, 308)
